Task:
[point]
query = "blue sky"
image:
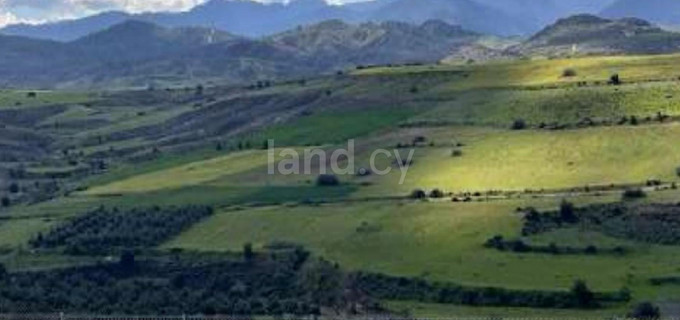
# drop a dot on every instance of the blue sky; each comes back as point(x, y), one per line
point(14, 11)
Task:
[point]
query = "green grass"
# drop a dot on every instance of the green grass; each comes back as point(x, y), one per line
point(443, 311)
point(437, 241)
point(15, 233)
point(336, 126)
point(517, 160)
point(562, 105)
point(520, 73)
point(20, 99)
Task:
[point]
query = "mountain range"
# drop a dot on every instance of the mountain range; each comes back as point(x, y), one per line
point(139, 52)
point(256, 19)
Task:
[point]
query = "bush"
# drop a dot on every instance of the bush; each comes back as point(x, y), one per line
point(583, 297)
point(519, 124)
point(634, 120)
point(567, 212)
point(645, 310)
point(418, 194)
point(457, 153)
point(591, 249)
point(631, 194)
point(327, 180)
point(615, 80)
point(5, 202)
point(13, 188)
point(437, 194)
point(569, 72)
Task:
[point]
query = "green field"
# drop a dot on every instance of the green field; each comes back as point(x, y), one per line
point(21, 98)
point(518, 160)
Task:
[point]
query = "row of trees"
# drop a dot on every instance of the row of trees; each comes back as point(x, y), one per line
point(105, 231)
point(651, 223)
point(414, 289)
point(501, 244)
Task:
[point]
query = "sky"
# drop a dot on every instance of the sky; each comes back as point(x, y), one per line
point(36, 11)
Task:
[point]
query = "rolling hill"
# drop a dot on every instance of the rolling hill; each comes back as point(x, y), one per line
point(588, 34)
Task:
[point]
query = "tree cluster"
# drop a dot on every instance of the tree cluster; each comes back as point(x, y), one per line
point(275, 284)
point(415, 289)
point(105, 231)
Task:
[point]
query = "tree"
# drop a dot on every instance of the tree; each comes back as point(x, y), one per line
point(645, 310)
point(127, 262)
point(568, 73)
point(567, 212)
point(583, 297)
point(327, 180)
point(436, 193)
point(519, 124)
point(248, 252)
point(418, 194)
point(14, 187)
point(5, 202)
point(634, 120)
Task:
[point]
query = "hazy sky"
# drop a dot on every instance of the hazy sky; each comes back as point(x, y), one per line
point(13, 11)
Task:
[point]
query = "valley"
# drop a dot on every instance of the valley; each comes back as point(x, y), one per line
point(494, 139)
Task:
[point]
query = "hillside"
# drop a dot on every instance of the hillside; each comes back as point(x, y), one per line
point(587, 34)
point(191, 54)
point(521, 183)
point(337, 44)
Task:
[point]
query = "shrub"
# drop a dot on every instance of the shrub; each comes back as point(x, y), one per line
point(437, 194)
point(519, 124)
point(645, 310)
point(583, 297)
point(677, 171)
point(630, 194)
point(418, 194)
point(591, 249)
point(5, 202)
point(634, 120)
point(569, 72)
point(419, 139)
point(567, 212)
point(363, 172)
point(13, 188)
point(615, 80)
point(457, 153)
point(248, 252)
point(327, 180)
